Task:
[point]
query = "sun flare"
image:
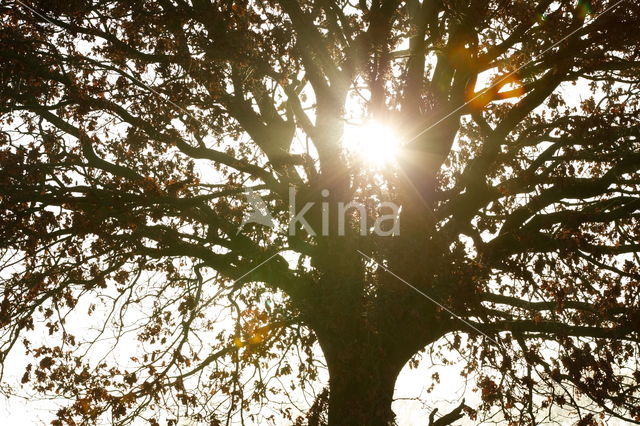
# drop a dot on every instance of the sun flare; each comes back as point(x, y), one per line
point(373, 143)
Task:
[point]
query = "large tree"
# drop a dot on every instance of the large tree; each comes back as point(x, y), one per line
point(132, 131)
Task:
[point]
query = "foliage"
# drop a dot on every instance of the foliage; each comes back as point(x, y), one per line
point(131, 130)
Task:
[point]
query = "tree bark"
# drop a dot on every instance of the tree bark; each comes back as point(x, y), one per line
point(361, 385)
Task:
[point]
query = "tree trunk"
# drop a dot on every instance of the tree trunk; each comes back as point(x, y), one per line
point(362, 345)
point(361, 385)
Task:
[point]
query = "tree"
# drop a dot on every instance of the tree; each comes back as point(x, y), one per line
point(131, 132)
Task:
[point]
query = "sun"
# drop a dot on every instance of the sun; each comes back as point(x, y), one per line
point(375, 144)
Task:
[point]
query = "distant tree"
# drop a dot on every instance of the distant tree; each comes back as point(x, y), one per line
point(132, 131)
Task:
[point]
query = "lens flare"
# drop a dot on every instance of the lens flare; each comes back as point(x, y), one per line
point(375, 144)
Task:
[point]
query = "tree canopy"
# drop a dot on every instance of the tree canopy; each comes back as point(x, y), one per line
point(132, 131)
